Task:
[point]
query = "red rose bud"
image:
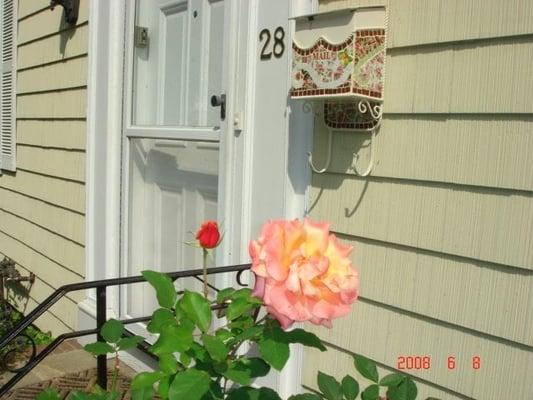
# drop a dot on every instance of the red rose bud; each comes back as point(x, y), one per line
point(208, 235)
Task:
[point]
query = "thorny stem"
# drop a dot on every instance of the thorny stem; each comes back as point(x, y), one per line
point(115, 373)
point(205, 273)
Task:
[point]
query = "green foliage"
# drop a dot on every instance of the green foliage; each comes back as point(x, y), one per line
point(328, 385)
point(197, 362)
point(396, 386)
point(99, 348)
point(112, 331)
point(190, 384)
point(164, 288)
point(366, 367)
point(39, 337)
point(350, 387)
point(48, 394)
point(197, 308)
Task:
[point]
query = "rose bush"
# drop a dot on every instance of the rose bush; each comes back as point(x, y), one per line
point(302, 274)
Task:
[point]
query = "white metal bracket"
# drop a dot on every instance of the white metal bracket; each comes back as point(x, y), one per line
point(369, 112)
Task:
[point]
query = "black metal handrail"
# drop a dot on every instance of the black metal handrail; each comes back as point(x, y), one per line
point(101, 317)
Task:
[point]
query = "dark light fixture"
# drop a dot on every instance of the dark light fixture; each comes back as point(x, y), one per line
point(71, 7)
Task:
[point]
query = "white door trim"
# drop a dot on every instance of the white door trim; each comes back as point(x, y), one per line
point(104, 116)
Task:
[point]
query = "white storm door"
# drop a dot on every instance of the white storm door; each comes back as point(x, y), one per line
point(172, 138)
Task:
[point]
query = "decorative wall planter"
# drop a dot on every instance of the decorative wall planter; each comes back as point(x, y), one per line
point(339, 55)
point(339, 64)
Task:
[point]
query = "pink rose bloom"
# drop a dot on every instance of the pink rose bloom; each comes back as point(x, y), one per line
point(303, 273)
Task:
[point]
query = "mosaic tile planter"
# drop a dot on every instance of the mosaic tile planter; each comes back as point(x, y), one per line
point(339, 56)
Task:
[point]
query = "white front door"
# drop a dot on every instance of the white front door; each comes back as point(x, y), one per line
point(172, 138)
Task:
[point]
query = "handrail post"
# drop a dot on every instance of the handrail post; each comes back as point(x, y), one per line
point(101, 360)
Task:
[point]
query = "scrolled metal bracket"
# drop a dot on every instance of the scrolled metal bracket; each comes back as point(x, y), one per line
point(71, 7)
point(376, 113)
point(370, 112)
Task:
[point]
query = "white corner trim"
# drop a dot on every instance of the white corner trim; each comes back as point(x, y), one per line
point(104, 124)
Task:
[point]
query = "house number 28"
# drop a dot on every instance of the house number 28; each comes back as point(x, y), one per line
point(277, 48)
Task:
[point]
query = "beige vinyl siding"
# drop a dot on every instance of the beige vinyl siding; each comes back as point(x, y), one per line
point(474, 148)
point(42, 205)
point(443, 227)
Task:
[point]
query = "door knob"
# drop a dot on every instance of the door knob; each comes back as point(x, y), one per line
point(220, 101)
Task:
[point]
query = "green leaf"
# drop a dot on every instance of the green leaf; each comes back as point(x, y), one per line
point(238, 307)
point(190, 384)
point(168, 364)
point(273, 347)
point(405, 390)
point(185, 359)
point(172, 339)
point(164, 387)
point(215, 347)
point(366, 367)
point(350, 387)
point(249, 333)
point(250, 393)
point(129, 342)
point(112, 331)
point(370, 393)
point(214, 393)
point(412, 390)
point(142, 394)
point(244, 370)
point(197, 308)
point(305, 396)
point(328, 385)
point(146, 380)
point(165, 291)
point(257, 366)
point(198, 353)
point(391, 380)
point(99, 348)
point(223, 334)
point(306, 338)
point(160, 317)
point(48, 394)
point(224, 295)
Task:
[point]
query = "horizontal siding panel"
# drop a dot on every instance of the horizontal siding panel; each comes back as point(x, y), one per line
point(48, 22)
point(463, 292)
point(52, 49)
point(65, 308)
point(54, 162)
point(66, 74)
point(49, 272)
point(332, 5)
point(463, 78)
point(414, 22)
point(478, 150)
point(27, 7)
point(60, 104)
point(68, 194)
point(58, 249)
point(58, 220)
point(481, 224)
point(384, 335)
point(49, 322)
point(65, 134)
point(339, 364)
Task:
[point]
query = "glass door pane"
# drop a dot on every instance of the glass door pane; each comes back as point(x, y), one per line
point(177, 62)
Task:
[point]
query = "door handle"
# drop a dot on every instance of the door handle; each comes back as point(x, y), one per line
point(220, 101)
